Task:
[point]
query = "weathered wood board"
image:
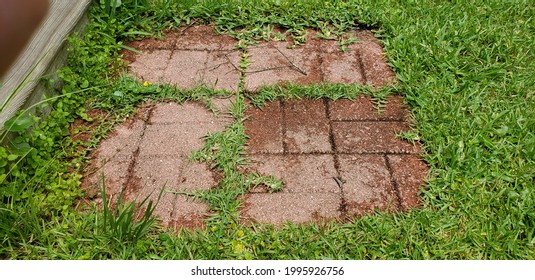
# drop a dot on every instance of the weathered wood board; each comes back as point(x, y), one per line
point(34, 61)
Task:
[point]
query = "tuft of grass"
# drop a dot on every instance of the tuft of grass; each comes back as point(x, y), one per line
point(126, 222)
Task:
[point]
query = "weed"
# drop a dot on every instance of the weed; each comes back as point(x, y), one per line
point(123, 222)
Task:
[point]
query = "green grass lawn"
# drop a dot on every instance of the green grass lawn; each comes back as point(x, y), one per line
point(466, 68)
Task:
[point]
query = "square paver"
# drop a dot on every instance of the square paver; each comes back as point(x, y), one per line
point(280, 208)
point(173, 174)
point(371, 137)
point(186, 68)
point(156, 173)
point(151, 65)
point(341, 66)
point(299, 173)
point(409, 173)
point(179, 139)
point(362, 109)
point(123, 141)
point(307, 127)
point(221, 72)
point(367, 184)
point(273, 63)
point(264, 128)
point(376, 70)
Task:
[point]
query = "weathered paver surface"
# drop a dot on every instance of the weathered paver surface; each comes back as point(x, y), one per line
point(337, 159)
point(197, 56)
point(345, 149)
point(150, 152)
point(186, 59)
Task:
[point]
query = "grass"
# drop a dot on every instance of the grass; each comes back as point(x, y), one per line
point(466, 68)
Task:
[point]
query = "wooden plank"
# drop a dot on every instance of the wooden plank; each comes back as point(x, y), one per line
point(32, 64)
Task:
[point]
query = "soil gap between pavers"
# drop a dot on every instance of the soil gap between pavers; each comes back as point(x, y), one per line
point(395, 188)
point(361, 67)
point(339, 180)
point(284, 143)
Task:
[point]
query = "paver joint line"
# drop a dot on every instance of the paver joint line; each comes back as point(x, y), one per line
point(364, 177)
point(150, 166)
point(130, 185)
point(394, 184)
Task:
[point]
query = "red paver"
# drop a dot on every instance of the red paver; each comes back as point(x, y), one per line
point(111, 173)
point(186, 68)
point(221, 71)
point(173, 174)
point(371, 137)
point(376, 70)
point(157, 172)
point(179, 140)
point(303, 136)
point(273, 63)
point(113, 159)
point(281, 208)
point(123, 141)
point(196, 55)
point(152, 153)
point(367, 184)
point(341, 66)
point(152, 175)
point(362, 109)
point(299, 173)
point(409, 173)
point(264, 128)
point(151, 66)
point(189, 57)
point(178, 129)
point(357, 169)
